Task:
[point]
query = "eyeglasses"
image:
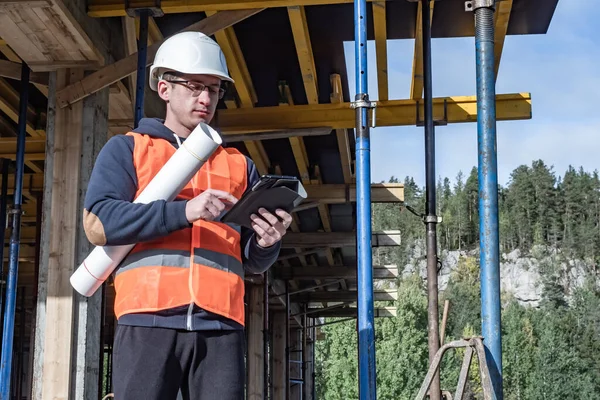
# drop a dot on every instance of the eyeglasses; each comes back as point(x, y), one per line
point(197, 88)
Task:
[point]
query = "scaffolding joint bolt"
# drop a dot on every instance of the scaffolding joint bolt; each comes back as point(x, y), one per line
point(472, 5)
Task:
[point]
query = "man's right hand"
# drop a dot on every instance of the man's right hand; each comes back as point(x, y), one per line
point(208, 205)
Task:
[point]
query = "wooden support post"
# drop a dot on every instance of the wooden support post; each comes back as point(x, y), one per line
point(67, 326)
point(279, 383)
point(255, 358)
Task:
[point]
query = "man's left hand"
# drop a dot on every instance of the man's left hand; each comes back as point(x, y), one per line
point(268, 227)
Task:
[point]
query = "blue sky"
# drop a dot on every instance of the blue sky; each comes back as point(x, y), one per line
point(559, 69)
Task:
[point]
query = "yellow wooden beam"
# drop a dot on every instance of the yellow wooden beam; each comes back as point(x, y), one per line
point(301, 34)
point(109, 74)
point(342, 134)
point(416, 86)
point(380, 27)
point(9, 104)
point(296, 142)
point(116, 8)
point(515, 106)
point(502, 15)
point(238, 69)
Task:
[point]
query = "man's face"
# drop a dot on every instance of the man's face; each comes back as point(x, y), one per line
point(191, 99)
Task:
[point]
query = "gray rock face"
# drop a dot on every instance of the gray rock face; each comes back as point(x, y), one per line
point(520, 274)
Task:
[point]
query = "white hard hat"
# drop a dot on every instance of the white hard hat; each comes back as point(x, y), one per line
point(189, 53)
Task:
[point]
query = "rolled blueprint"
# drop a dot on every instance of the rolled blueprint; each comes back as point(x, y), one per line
point(166, 185)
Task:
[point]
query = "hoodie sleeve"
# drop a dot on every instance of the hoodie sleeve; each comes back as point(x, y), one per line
point(110, 217)
point(256, 259)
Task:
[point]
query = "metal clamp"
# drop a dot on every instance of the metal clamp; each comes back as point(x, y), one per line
point(363, 102)
point(436, 122)
point(133, 11)
point(472, 5)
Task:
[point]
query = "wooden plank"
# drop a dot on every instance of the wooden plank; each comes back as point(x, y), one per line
point(12, 56)
point(341, 134)
point(380, 27)
point(63, 233)
point(12, 70)
point(502, 16)
point(334, 272)
point(348, 312)
point(337, 239)
point(460, 109)
point(244, 87)
point(301, 34)
point(130, 38)
point(126, 66)
point(342, 295)
point(9, 104)
point(116, 8)
point(416, 86)
point(340, 193)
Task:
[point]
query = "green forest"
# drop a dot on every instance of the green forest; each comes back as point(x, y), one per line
point(550, 350)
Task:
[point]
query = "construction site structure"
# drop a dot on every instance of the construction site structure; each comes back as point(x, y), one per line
point(73, 73)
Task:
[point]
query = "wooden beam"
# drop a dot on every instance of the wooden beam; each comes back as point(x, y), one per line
point(342, 295)
point(12, 70)
point(116, 8)
point(9, 104)
point(348, 312)
point(380, 27)
point(236, 63)
point(340, 193)
point(416, 86)
point(130, 39)
point(502, 16)
point(460, 109)
point(284, 134)
point(301, 35)
point(342, 134)
point(338, 239)
point(126, 66)
point(62, 241)
point(333, 272)
point(12, 56)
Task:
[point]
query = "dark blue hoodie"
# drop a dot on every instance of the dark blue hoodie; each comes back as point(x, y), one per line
point(110, 218)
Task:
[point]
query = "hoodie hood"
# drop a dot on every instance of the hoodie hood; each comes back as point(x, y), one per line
point(155, 127)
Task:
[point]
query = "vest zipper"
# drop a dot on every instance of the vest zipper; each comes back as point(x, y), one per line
point(189, 316)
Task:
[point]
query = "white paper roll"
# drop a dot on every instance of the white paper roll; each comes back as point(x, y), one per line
point(166, 185)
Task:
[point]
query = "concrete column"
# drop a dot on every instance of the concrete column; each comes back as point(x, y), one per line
point(78, 369)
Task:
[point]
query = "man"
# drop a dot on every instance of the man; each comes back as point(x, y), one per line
point(179, 293)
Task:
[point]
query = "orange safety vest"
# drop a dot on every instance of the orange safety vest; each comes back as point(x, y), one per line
point(201, 264)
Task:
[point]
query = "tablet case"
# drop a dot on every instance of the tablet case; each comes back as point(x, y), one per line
point(270, 192)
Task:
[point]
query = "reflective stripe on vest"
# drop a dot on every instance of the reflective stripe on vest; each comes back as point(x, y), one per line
point(201, 264)
point(181, 259)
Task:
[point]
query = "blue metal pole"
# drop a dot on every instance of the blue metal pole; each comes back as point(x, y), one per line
point(15, 237)
point(488, 190)
point(366, 325)
point(141, 66)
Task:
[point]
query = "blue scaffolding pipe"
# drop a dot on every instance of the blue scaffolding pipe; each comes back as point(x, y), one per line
point(141, 66)
point(488, 190)
point(366, 330)
point(15, 237)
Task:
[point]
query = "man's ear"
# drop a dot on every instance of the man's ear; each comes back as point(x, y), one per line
point(163, 90)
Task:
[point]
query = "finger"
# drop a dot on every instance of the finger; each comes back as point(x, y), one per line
point(273, 220)
point(285, 216)
point(210, 207)
point(261, 222)
point(259, 230)
point(223, 195)
point(217, 203)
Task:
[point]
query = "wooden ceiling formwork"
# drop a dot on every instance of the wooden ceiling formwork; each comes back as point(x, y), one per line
point(289, 109)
